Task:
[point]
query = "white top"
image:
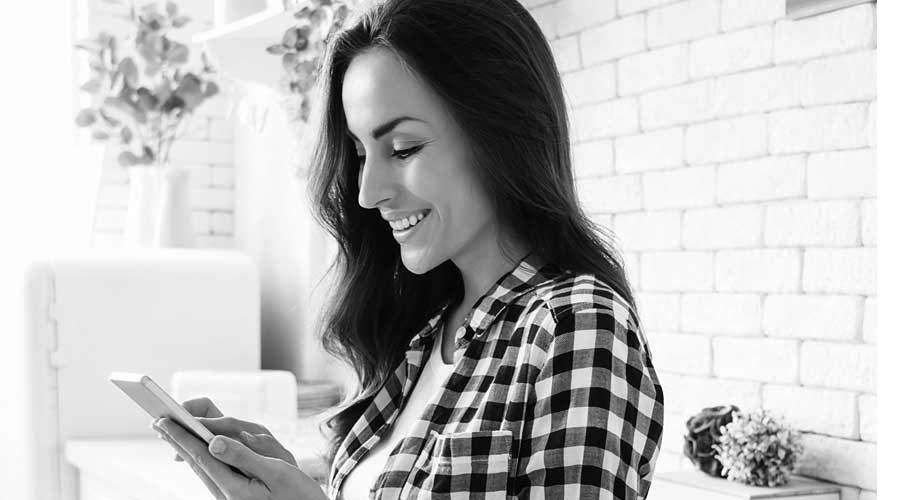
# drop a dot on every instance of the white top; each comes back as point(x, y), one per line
point(434, 373)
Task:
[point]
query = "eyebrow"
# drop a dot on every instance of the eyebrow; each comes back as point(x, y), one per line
point(382, 129)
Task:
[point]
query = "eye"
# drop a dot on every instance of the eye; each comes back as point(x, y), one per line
point(406, 153)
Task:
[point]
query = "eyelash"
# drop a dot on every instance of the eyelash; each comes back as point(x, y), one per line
point(396, 153)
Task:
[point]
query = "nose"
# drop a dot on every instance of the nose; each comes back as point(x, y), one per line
point(375, 185)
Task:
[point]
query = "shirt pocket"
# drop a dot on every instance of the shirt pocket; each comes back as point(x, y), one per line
point(462, 462)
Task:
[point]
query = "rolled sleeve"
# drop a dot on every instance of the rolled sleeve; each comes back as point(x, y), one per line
point(593, 426)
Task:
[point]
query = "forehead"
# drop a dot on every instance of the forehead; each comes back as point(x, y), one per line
point(377, 87)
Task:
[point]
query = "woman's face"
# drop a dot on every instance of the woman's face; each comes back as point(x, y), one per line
point(415, 164)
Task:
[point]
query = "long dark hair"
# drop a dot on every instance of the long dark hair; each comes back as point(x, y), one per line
point(491, 63)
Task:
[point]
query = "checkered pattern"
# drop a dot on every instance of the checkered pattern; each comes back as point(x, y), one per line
point(553, 395)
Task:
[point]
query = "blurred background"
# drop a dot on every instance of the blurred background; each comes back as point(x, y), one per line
point(729, 145)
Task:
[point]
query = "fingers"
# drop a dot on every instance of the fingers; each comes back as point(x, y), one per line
point(207, 481)
point(232, 452)
point(202, 407)
point(267, 445)
point(231, 427)
point(196, 453)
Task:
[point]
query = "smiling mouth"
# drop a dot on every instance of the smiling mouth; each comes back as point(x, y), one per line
point(409, 223)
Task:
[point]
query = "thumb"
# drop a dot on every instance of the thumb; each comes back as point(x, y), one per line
point(235, 453)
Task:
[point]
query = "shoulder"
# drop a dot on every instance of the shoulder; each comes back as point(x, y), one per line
point(584, 294)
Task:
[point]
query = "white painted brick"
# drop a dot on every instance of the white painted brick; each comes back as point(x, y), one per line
point(674, 271)
point(838, 365)
point(575, 15)
point(838, 460)
point(757, 91)
point(831, 317)
point(766, 360)
point(215, 241)
point(769, 178)
point(629, 6)
point(728, 227)
point(689, 394)
point(679, 353)
point(817, 410)
point(833, 32)
point(872, 123)
point(113, 173)
point(837, 79)
point(850, 270)
point(842, 174)
point(566, 53)
point(678, 105)
point(620, 193)
point(201, 221)
point(867, 417)
point(591, 85)
point(653, 69)
point(592, 159)
point(849, 493)
point(659, 311)
point(110, 219)
point(603, 220)
point(186, 151)
point(722, 313)
point(113, 195)
point(607, 119)
point(613, 40)
point(679, 188)
point(103, 239)
point(686, 20)
point(223, 222)
point(221, 130)
point(200, 175)
point(655, 230)
point(731, 52)
point(869, 326)
point(214, 107)
point(869, 222)
point(811, 223)
point(222, 176)
point(197, 129)
point(736, 14)
point(212, 198)
point(726, 140)
point(768, 270)
point(545, 15)
point(532, 4)
point(632, 267)
point(838, 126)
point(650, 151)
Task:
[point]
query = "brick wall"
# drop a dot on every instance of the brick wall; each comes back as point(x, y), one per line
point(731, 150)
point(206, 149)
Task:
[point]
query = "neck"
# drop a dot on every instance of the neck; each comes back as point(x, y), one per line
point(480, 269)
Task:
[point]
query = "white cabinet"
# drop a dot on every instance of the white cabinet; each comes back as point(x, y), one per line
point(694, 485)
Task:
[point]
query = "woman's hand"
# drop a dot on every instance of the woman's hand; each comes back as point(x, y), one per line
point(262, 470)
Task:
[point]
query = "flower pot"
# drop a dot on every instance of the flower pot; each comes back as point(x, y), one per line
point(159, 210)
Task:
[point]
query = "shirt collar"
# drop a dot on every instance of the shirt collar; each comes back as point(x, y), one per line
point(530, 272)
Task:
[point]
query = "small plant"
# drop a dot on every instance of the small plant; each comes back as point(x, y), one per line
point(704, 430)
point(143, 101)
point(301, 49)
point(758, 449)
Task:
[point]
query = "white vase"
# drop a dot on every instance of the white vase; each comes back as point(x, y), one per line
point(143, 200)
point(174, 227)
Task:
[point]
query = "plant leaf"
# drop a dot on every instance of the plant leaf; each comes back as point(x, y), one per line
point(189, 91)
point(129, 71)
point(171, 8)
point(276, 49)
point(290, 37)
point(146, 101)
point(147, 157)
point(211, 89)
point(112, 122)
point(289, 60)
point(178, 53)
point(127, 159)
point(180, 21)
point(100, 135)
point(126, 135)
point(91, 86)
point(85, 117)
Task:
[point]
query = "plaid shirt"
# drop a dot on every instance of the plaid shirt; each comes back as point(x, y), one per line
point(553, 395)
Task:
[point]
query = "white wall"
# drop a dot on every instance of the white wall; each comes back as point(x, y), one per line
point(732, 152)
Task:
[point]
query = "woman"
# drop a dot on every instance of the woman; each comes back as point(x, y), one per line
point(494, 334)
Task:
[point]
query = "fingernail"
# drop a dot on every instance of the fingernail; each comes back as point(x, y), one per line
point(217, 446)
point(248, 437)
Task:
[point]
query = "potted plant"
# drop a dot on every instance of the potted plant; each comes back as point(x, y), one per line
point(759, 449)
point(143, 97)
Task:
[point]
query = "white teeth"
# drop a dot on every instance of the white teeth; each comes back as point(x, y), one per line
point(401, 224)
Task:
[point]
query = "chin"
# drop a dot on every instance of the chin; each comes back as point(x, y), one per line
point(415, 262)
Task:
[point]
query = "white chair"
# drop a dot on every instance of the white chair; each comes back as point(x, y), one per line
point(76, 318)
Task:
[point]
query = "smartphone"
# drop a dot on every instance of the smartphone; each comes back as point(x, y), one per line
point(155, 401)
